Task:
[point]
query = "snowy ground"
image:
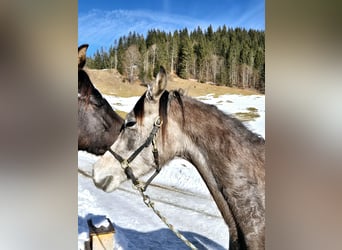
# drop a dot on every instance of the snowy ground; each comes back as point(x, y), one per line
point(178, 193)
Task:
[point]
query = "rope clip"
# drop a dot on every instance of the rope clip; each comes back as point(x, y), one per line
point(124, 164)
point(158, 122)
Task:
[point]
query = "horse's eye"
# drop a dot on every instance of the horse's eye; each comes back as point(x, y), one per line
point(127, 124)
point(130, 124)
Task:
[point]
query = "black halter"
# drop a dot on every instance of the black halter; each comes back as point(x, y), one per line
point(125, 162)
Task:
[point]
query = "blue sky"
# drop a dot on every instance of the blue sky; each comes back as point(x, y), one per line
point(101, 22)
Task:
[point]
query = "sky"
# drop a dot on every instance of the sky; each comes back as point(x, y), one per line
point(100, 23)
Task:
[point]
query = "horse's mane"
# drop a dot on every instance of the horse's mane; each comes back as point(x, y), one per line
point(87, 91)
point(220, 119)
point(164, 102)
point(84, 85)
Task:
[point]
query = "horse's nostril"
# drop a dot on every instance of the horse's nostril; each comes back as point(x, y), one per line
point(103, 184)
point(107, 181)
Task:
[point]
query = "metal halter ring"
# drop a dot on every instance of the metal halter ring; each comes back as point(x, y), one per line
point(158, 122)
point(124, 164)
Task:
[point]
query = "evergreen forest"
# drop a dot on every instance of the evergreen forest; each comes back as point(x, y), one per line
point(227, 56)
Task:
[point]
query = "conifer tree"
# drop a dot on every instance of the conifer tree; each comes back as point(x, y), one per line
point(227, 56)
point(184, 56)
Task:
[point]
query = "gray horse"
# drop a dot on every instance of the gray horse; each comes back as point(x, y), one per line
point(98, 124)
point(228, 156)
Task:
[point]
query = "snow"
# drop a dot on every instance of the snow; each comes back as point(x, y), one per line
point(178, 192)
point(100, 221)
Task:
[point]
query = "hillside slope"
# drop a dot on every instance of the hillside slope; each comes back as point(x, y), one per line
point(110, 82)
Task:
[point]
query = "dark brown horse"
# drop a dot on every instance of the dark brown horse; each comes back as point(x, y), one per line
point(98, 124)
point(228, 156)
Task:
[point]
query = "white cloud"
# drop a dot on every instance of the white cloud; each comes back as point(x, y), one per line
point(103, 27)
point(100, 28)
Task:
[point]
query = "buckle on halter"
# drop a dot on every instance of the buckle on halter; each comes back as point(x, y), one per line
point(124, 164)
point(139, 186)
point(158, 122)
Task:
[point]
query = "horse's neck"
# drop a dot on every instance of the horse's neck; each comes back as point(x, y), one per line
point(225, 160)
point(219, 143)
point(221, 147)
point(234, 174)
point(198, 160)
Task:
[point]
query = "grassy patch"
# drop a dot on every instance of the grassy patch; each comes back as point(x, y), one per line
point(252, 109)
point(195, 89)
point(121, 113)
point(247, 116)
point(110, 82)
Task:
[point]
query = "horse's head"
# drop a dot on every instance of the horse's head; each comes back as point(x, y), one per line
point(98, 124)
point(138, 126)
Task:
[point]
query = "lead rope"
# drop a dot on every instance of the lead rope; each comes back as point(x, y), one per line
point(150, 204)
point(142, 188)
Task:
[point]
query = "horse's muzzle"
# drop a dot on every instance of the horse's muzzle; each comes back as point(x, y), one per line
point(104, 184)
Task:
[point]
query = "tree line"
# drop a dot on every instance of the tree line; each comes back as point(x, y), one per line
point(227, 56)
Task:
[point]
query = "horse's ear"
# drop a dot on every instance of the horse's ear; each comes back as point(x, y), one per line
point(82, 55)
point(155, 90)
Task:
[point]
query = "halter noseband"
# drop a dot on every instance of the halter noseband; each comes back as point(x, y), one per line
point(125, 162)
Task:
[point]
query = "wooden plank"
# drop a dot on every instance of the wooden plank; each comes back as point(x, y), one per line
point(101, 237)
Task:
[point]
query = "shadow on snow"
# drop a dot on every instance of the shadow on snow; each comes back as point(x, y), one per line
point(160, 239)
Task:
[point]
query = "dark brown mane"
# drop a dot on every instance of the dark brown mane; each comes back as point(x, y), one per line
point(178, 95)
point(139, 108)
point(164, 101)
point(85, 87)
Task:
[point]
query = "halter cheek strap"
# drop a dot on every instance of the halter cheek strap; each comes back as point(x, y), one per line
point(125, 162)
